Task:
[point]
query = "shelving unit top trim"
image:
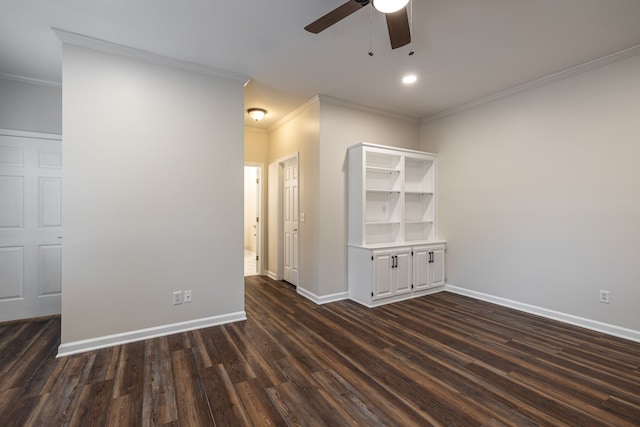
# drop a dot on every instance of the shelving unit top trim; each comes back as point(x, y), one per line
point(389, 147)
point(412, 244)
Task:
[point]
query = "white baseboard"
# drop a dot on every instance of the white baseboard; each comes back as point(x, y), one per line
point(324, 299)
point(76, 347)
point(593, 325)
point(270, 275)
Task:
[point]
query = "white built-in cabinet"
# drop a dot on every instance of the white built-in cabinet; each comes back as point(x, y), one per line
point(393, 249)
point(392, 272)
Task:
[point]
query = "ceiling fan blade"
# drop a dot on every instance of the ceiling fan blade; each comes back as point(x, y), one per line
point(398, 25)
point(335, 15)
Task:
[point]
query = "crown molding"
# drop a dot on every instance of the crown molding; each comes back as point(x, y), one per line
point(30, 134)
point(347, 104)
point(81, 40)
point(551, 78)
point(295, 113)
point(30, 80)
point(252, 129)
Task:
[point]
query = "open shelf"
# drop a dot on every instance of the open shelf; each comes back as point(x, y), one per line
point(391, 195)
point(383, 179)
point(418, 231)
point(382, 206)
point(382, 232)
point(379, 160)
point(418, 175)
point(418, 207)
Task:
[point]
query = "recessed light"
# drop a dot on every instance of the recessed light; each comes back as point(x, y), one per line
point(408, 79)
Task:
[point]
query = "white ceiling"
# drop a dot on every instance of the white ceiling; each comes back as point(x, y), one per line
point(464, 49)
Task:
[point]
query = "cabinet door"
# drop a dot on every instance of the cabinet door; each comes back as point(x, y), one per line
point(402, 272)
point(436, 273)
point(421, 268)
point(382, 263)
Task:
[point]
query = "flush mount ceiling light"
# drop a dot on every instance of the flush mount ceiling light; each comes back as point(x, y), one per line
point(389, 6)
point(256, 114)
point(409, 79)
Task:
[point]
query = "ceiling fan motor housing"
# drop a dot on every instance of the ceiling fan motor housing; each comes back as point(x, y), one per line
point(397, 22)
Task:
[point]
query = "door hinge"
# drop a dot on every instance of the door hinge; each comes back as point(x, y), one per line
point(371, 293)
point(257, 258)
point(371, 257)
point(257, 180)
point(411, 253)
point(257, 219)
point(411, 286)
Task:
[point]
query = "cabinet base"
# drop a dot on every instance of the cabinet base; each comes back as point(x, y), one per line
point(371, 303)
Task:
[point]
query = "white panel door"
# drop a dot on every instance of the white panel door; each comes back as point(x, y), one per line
point(421, 267)
point(30, 225)
point(290, 218)
point(382, 266)
point(436, 270)
point(402, 272)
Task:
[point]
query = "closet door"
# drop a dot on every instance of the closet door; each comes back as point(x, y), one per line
point(30, 225)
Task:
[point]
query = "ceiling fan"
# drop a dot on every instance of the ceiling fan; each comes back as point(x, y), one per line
point(395, 12)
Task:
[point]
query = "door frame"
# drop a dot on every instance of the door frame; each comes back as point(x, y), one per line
point(260, 266)
point(281, 162)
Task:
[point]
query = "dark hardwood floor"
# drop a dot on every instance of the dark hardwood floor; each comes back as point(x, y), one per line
point(437, 360)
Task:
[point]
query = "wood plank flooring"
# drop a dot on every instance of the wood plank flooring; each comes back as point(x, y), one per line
point(437, 360)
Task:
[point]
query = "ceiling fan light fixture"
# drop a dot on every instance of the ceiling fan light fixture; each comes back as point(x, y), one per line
point(389, 6)
point(257, 114)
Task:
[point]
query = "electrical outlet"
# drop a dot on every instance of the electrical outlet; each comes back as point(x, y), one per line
point(177, 297)
point(604, 297)
point(187, 296)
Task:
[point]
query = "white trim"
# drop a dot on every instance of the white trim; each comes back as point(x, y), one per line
point(389, 147)
point(561, 75)
point(348, 104)
point(260, 245)
point(295, 113)
point(593, 325)
point(251, 129)
point(30, 80)
point(117, 49)
point(399, 297)
point(271, 275)
point(27, 134)
point(324, 299)
point(81, 346)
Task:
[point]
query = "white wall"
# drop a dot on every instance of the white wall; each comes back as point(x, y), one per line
point(30, 106)
point(298, 133)
point(321, 131)
point(153, 170)
point(341, 127)
point(256, 145)
point(539, 196)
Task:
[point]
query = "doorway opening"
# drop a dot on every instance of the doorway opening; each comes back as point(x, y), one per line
point(252, 219)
